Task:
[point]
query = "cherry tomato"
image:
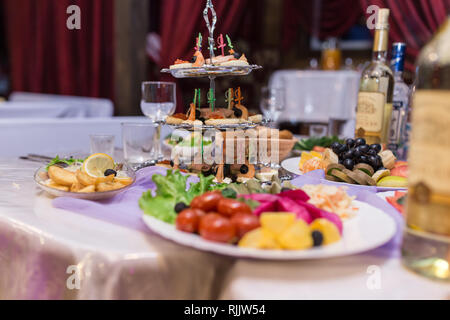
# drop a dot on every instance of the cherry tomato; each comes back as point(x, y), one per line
point(230, 207)
point(244, 223)
point(189, 219)
point(207, 201)
point(215, 227)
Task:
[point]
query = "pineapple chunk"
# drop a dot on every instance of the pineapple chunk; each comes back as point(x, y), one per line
point(277, 222)
point(296, 237)
point(328, 229)
point(259, 239)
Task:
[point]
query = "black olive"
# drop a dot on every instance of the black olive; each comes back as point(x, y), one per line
point(172, 163)
point(343, 149)
point(356, 153)
point(237, 112)
point(336, 146)
point(109, 172)
point(349, 164)
point(373, 161)
point(350, 143)
point(348, 154)
point(372, 152)
point(376, 147)
point(180, 206)
point(194, 58)
point(237, 55)
point(234, 178)
point(243, 169)
point(201, 119)
point(317, 238)
point(364, 148)
point(363, 159)
point(360, 142)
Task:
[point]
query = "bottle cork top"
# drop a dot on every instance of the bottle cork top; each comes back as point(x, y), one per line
point(383, 19)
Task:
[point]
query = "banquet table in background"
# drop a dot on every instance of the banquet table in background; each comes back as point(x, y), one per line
point(19, 137)
point(37, 105)
point(38, 244)
point(319, 96)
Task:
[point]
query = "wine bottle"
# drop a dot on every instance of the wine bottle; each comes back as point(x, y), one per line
point(400, 105)
point(373, 114)
point(426, 242)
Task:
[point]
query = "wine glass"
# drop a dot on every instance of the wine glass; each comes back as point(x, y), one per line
point(158, 102)
point(272, 103)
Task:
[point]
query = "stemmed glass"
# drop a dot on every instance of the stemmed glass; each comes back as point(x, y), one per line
point(272, 103)
point(158, 102)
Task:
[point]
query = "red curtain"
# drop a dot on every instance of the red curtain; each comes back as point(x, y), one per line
point(322, 18)
point(413, 22)
point(45, 56)
point(182, 20)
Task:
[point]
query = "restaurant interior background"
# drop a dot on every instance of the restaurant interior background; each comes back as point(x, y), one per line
point(122, 43)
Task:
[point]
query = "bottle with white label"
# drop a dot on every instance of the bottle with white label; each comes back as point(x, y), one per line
point(400, 103)
point(373, 113)
point(426, 241)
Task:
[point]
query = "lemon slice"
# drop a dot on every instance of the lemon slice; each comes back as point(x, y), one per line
point(97, 164)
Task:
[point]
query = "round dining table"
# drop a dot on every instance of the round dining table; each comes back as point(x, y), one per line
point(50, 253)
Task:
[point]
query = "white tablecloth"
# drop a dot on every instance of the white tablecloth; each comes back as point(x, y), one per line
point(39, 243)
point(37, 105)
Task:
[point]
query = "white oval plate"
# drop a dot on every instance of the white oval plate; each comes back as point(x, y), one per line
point(369, 229)
point(291, 165)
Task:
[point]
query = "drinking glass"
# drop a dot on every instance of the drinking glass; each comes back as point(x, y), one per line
point(139, 144)
point(102, 143)
point(158, 102)
point(272, 103)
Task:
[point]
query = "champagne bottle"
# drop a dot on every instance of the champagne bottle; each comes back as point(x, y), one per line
point(373, 114)
point(426, 242)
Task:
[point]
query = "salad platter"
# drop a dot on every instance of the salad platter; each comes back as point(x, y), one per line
point(244, 220)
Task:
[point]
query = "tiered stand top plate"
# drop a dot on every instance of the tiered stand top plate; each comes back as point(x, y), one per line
point(223, 127)
point(211, 71)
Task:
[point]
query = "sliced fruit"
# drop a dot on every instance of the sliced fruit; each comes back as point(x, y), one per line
point(308, 156)
point(329, 231)
point(313, 164)
point(62, 176)
point(365, 168)
point(401, 164)
point(316, 154)
point(401, 171)
point(277, 222)
point(296, 237)
point(388, 159)
point(380, 174)
point(393, 182)
point(259, 239)
point(96, 165)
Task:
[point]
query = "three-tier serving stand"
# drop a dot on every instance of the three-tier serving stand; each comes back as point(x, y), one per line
point(212, 72)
